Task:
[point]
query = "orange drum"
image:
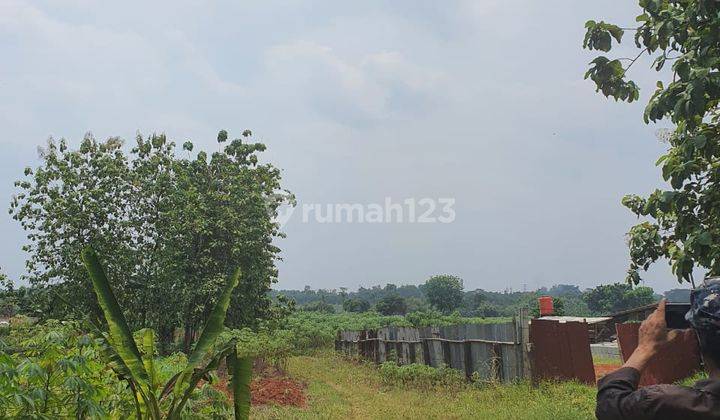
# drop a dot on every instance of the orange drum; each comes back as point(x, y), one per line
point(546, 305)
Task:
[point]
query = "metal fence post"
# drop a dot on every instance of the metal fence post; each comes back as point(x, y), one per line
point(523, 320)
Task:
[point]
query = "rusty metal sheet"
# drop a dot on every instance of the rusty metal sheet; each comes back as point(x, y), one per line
point(677, 362)
point(561, 351)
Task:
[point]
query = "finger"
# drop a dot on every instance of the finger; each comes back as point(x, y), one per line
point(661, 306)
point(659, 311)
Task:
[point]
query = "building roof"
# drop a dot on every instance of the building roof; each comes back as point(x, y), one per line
point(587, 319)
point(638, 309)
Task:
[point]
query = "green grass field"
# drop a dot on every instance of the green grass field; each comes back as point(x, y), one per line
point(339, 388)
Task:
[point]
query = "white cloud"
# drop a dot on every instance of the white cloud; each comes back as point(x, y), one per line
point(480, 100)
point(75, 61)
point(373, 87)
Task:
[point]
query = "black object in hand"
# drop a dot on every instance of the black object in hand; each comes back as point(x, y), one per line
point(675, 315)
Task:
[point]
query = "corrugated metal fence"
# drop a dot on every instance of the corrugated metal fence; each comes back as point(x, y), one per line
point(494, 351)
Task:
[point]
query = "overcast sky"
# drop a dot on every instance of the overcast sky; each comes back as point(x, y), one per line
point(480, 101)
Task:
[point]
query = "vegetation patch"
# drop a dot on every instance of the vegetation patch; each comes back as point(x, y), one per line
point(420, 376)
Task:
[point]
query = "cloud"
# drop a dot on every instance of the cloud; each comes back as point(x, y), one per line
point(75, 60)
point(371, 88)
point(479, 100)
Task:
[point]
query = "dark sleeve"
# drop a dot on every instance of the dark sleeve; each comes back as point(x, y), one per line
point(618, 397)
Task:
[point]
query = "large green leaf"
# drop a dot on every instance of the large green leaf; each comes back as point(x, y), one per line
point(240, 369)
point(213, 327)
point(147, 340)
point(115, 362)
point(215, 323)
point(120, 335)
point(200, 373)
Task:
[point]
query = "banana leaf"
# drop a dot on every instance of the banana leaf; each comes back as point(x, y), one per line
point(200, 373)
point(114, 360)
point(240, 369)
point(122, 338)
point(213, 327)
point(147, 339)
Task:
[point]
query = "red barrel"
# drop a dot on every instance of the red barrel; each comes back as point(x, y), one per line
point(546, 305)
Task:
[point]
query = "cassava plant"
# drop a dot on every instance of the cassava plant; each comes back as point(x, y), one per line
point(135, 364)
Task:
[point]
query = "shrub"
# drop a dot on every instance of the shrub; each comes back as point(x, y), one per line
point(319, 306)
point(392, 304)
point(356, 305)
point(420, 376)
point(53, 370)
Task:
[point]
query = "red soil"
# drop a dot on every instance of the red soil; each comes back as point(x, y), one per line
point(602, 369)
point(271, 389)
point(277, 390)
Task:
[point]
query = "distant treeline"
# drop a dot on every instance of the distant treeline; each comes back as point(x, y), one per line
point(443, 294)
point(399, 300)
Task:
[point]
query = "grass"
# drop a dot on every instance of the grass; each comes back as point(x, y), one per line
point(339, 388)
point(694, 378)
point(600, 360)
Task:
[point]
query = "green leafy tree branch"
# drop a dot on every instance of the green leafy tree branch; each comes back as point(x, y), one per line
point(682, 223)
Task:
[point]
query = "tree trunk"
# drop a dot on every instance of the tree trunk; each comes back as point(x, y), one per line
point(189, 338)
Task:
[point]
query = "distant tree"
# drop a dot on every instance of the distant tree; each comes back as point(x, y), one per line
point(444, 292)
point(319, 306)
point(564, 290)
point(572, 302)
point(392, 305)
point(356, 305)
point(8, 301)
point(410, 291)
point(575, 306)
point(609, 298)
point(487, 310)
point(417, 304)
point(281, 308)
point(427, 317)
point(472, 300)
point(372, 295)
point(31, 301)
point(606, 298)
point(638, 296)
point(343, 294)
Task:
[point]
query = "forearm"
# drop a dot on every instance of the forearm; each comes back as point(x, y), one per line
point(640, 358)
point(617, 396)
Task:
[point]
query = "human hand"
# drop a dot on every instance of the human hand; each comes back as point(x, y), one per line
point(653, 337)
point(654, 334)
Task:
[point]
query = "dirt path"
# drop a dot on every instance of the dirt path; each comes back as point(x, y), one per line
point(602, 369)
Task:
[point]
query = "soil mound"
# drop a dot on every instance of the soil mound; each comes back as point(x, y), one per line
point(277, 390)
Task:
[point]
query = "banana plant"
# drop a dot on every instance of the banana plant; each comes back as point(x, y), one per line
point(153, 401)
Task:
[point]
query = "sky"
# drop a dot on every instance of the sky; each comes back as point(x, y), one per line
point(482, 102)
